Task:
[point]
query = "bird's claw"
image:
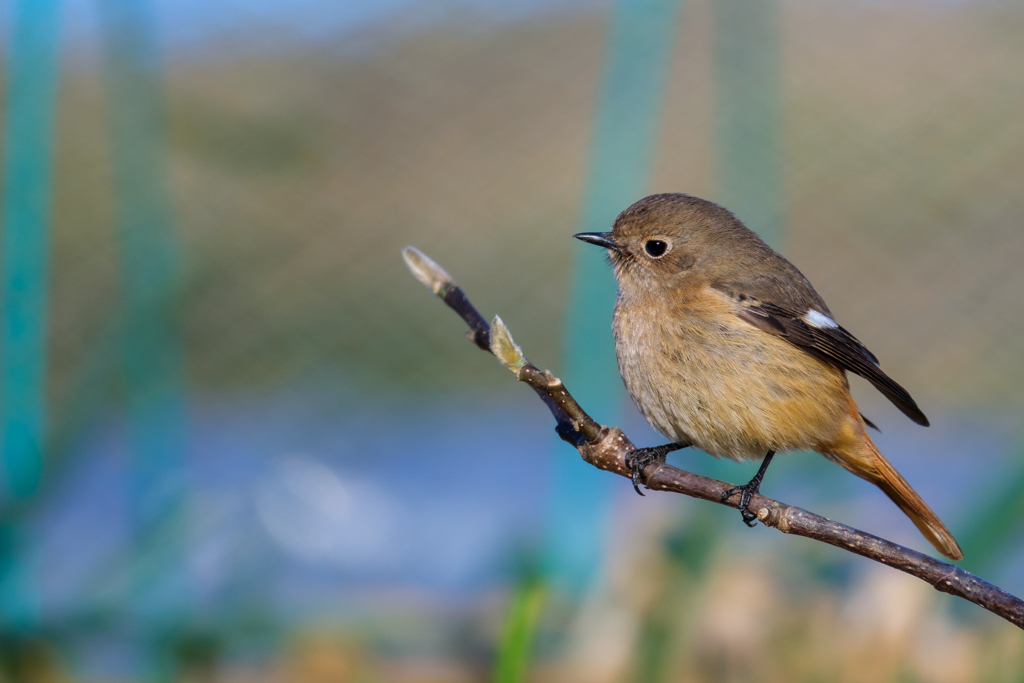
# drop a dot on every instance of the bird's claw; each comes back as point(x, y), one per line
point(746, 492)
point(749, 490)
point(638, 461)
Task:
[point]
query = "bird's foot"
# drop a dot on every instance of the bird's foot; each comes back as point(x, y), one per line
point(639, 459)
point(748, 491)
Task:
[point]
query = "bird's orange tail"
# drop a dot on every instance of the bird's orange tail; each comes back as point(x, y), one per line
point(860, 456)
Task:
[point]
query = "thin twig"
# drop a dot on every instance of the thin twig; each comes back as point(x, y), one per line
point(607, 448)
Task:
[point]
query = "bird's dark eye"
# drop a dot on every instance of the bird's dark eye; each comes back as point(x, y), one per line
point(655, 248)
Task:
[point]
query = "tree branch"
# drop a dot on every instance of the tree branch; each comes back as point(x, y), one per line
point(607, 448)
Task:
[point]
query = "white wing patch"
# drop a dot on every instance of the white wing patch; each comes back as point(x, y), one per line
point(819, 320)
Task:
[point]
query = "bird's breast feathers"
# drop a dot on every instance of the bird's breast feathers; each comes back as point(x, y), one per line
point(700, 373)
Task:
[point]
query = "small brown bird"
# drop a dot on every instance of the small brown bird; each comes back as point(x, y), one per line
point(724, 345)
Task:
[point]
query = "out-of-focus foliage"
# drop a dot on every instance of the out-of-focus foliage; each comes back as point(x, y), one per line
point(515, 651)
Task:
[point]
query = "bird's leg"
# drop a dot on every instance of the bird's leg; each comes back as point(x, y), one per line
point(748, 490)
point(642, 457)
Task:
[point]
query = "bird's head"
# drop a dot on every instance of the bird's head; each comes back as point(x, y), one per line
point(665, 239)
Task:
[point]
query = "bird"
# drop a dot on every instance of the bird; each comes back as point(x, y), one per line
point(724, 345)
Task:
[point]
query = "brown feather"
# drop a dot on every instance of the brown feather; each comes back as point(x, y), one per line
point(855, 451)
point(833, 345)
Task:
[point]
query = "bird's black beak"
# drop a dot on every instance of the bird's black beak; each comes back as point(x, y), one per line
point(601, 239)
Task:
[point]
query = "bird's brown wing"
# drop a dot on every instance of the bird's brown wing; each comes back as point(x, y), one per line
point(833, 345)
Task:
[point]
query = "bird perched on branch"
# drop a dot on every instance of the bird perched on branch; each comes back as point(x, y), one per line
point(724, 345)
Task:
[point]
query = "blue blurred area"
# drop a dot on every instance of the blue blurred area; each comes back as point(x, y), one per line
point(314, 500)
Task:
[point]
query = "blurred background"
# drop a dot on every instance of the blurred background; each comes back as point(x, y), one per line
point(241, 443)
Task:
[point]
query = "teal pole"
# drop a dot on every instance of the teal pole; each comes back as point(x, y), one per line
point(748, 114)
point(150, 271)
point(27, 194)
point(622, 147)
point(28, 189)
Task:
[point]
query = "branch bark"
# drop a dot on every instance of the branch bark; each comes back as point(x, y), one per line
point(607, 448)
